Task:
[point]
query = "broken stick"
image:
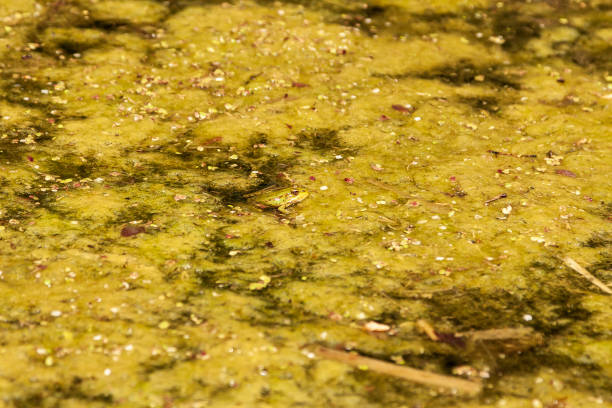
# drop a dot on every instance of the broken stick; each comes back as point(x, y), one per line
point(427, 329)
point(407, 373)
point(586, 274)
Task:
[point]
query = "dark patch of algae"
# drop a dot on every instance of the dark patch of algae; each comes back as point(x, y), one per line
point(134, 273)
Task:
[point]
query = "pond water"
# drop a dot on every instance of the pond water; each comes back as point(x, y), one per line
point(428, 167)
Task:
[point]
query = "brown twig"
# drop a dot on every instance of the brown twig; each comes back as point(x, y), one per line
point(507, 333)
point(407, 373)
point(499, 197)
point(586, 274)
point(427, 329)
point(496, 153)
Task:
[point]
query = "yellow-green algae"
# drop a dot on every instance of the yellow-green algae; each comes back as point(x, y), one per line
point(134, 273)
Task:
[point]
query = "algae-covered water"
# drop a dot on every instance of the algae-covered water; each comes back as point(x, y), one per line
point(454, 152)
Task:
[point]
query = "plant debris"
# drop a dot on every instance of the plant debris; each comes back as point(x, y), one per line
point(586, 274)
point(427, 378)
point(131, 230)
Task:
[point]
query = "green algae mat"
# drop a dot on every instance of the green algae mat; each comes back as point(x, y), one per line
point(311, 203)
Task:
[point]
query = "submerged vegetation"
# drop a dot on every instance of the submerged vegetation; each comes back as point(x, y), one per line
point(278, 204)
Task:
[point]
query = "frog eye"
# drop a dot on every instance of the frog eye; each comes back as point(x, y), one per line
point(295, 192)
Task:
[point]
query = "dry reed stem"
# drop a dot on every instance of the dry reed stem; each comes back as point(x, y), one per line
point(406, 373)
point(586, 274)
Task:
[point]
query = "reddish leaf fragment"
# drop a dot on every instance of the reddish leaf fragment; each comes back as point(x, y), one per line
point(565, 173)
point(335, 316)
point(299, 85)
point(349, 180)
point(30, 158)
point(213, 140)
point(450, 338)
point(384, 118)
point(131, 230)
point(404, 108)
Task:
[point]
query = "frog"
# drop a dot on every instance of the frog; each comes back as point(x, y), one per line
point(279, 198)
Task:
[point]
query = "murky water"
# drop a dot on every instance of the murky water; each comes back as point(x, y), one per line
point(453, 152)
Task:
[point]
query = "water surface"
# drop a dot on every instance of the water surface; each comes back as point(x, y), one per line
point(454, 151)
